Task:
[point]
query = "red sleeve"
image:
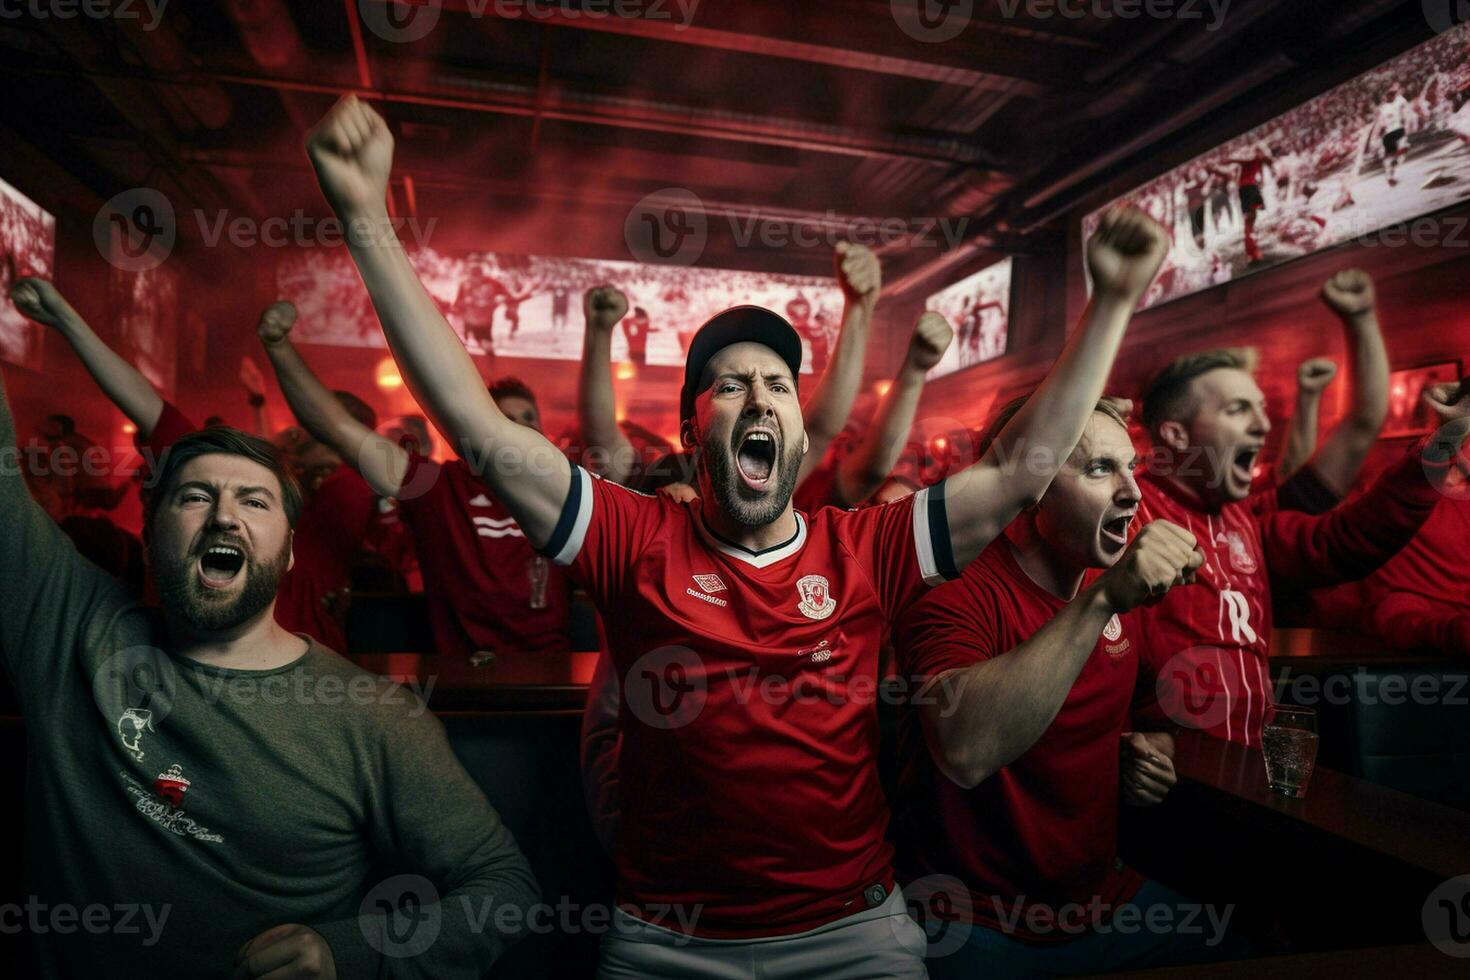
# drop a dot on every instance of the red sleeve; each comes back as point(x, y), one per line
point(337, 518)
point(1351, 541)
point(603, 527)
point(903, 546)
point(172, 425)
point(953, 627)
point(419, 480)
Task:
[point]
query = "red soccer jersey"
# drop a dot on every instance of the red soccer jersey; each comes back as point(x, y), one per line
point(1432, 565)
point(748, 772)
point(487, 588)
point(818, 490)
point(1208, 643)
point(1043, 831)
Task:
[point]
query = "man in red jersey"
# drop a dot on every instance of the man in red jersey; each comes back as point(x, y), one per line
point(746, 635)
point(1252, 175)
point(488, 589)
point(1209, 645)
point(336, 518)
point(1018, 740)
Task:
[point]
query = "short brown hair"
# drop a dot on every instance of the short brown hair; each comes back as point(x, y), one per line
point(1112, 407)
point(223, 440)
point(1168, 397)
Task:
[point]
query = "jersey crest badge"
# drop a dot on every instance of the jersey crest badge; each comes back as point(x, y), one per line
point(1113, 630)
point(1240, 557)
point(816, 597)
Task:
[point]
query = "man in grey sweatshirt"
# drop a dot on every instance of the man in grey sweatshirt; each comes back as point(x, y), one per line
point(209, 795)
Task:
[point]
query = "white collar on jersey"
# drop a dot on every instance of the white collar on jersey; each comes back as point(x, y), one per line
point(760, 559)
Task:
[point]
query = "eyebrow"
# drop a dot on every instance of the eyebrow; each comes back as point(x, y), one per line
point(749, 376)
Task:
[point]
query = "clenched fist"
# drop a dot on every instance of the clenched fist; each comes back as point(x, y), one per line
point(1162, 556)
point(1147, 768)
point(604, 306)
point(1315, 374)
point(1125, 253)
point(352, 152)
point(1349, 293)
point(286, 952)
point(858, 272)
point(1449, 400)
point(275, 323)
point(932, 337)
point(40, 301)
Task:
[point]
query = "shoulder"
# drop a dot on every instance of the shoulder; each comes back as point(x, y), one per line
point(381, 707)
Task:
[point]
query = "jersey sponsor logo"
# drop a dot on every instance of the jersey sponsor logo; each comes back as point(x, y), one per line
point(480, 500)
point(816, 597)
point(490, 527)
point(712, 600)
point(172, 784)
point(1241, 558)
point(822, 652)
point(710, 582)
point(1237, 609)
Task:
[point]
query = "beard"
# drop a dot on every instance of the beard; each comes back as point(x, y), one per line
point(206, 610)
point(743, 505)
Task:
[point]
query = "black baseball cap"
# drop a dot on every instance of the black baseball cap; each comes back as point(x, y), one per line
point(737, 325)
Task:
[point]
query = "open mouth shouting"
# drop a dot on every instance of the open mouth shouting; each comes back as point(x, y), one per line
point(755, 459)
point(220, 565)
point(1115, 532)
point(1243, 463)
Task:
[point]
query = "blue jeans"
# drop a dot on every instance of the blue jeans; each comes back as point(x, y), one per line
point(1164, 929)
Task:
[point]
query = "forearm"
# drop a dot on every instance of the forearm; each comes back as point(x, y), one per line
point(597, 409)
point(381, 463)
point(863, 471)
point(1343, 453)
point(827, 410)
point(524, 470)
point(262, 422)
point(986, 716)
point(1301, 438)
point(122, 383)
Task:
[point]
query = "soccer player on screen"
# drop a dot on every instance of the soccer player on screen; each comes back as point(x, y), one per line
point(1018, 745)
point(746, 815)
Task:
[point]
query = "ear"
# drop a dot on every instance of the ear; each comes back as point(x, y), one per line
point(806, 443)
point(1172, 433)
point(688, 434)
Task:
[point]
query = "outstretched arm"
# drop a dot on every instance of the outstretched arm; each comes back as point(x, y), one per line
point(352, 152)
point(381, 461)
point(980, 718)
point(826, 411)
point(1312, 377)
point(1337, 463)
point(1123, 255)
point(597, 410)
point(119, 380)
point(863, 470)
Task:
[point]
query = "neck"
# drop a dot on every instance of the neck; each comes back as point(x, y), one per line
point(1207, 503)
point(751, 538)
point(1043, 564)
point(259, 643)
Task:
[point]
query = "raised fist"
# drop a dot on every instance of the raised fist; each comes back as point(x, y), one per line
point(352, 152)
point(604, 306)
point(1162, 556)
point(1450, 400)
point(40, 301)
point(251, 378)
point(275, 322)
point(1315, 374)
point(1125, 253)
point(932, 337)
point(679, 492)
point(1349, 293)
point(858, 272)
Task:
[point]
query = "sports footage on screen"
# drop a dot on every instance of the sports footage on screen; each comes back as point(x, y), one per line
point(27, 248)
point(978, 308)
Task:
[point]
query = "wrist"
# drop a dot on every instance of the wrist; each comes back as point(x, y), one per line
point(910, 373)
point(1363, 320)
point(1098, 601)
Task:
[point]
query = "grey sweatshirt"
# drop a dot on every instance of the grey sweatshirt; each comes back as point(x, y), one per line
point(175, 810)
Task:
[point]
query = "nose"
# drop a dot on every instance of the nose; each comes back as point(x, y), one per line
point(1260, 421)
point(1128, 494)
point(758, 401)
point(224, 517)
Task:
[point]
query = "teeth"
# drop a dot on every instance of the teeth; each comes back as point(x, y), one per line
point(223, 550)
point(759, 437)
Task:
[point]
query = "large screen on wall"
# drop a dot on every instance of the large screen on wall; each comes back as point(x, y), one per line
point(978, 307)
point(27, 248)
point(1386, 147)
point(531, 306)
